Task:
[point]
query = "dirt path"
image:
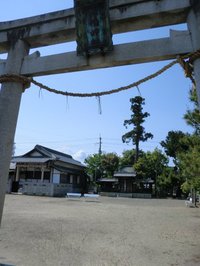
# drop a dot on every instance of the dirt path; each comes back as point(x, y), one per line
point(115, 231)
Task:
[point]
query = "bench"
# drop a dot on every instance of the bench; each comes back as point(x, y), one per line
point(73, 195)
point(91, 196)
point(85, 196)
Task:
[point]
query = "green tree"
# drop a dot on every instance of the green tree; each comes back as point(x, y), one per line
point(128, 158)
point(170, 181)
point(138, 133)
point(192, 117)
point(109, 164)
point(151, 165)
point(103, 165)
point(93, 164)
point(189, 163)
point(173, 144)
point(166, 180)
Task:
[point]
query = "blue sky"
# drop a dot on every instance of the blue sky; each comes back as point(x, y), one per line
point(73, 125)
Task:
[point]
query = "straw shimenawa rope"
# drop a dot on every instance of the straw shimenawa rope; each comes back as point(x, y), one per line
point(186, 65)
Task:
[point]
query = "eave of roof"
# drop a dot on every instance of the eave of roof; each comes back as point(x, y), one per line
point(67, 170)
point(124, 175)
point(111, 180)
point(30, 160)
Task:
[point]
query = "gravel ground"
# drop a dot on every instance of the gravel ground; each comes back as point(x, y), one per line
point(114, 231)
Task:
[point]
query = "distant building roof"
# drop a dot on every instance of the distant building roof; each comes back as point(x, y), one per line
point(126, 171)
point(107, 180)
point(41, 154)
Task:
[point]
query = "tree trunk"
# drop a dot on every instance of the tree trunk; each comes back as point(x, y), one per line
point(136, 151)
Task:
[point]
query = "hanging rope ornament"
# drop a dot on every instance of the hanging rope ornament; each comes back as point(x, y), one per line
point(40, 93)
point(139, 91)
point(67, 103)
point(99, 104)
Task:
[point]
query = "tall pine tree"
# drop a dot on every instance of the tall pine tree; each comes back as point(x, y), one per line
point(137, 134)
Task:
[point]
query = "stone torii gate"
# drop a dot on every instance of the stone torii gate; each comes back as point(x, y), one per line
point(17, 37)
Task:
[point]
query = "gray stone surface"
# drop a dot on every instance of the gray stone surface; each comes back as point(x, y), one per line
point(10, 98)
point(109, 232)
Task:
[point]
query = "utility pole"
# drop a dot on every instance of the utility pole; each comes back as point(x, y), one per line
point(100, 142)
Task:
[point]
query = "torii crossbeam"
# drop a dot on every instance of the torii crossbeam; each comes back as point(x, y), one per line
point(17, 37)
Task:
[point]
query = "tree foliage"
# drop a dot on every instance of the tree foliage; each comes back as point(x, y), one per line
point(189, 162)
point(151, 164)
point(192, 117)
point(93, 164)
point(166, 180)
point(128, 157)
point(109, 164)
point(173, 144)
point(138, 133)
point(102, 165)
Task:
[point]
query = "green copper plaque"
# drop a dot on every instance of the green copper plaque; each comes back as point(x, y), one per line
point(93, 27)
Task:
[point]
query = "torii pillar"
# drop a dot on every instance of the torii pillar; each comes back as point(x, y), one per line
point(10, 98)
point(194, 28)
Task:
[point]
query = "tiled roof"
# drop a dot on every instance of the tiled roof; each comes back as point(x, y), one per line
point(46, 154)
point(127, 171)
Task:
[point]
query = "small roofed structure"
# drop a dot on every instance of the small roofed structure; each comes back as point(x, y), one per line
point(44, 171)
point(108, 184)
point(126, 183)
point(126, 177)
point(129, 182)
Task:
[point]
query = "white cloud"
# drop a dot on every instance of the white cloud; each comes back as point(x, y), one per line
point(80, 155)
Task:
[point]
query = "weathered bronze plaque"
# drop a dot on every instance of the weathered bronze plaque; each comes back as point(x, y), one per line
point(92, 27)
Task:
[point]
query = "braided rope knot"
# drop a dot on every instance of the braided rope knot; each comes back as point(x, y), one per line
point(187, 64)
point(194, 56)
point(16, 78)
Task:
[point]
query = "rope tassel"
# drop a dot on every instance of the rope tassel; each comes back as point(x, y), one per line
point(99, 104)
